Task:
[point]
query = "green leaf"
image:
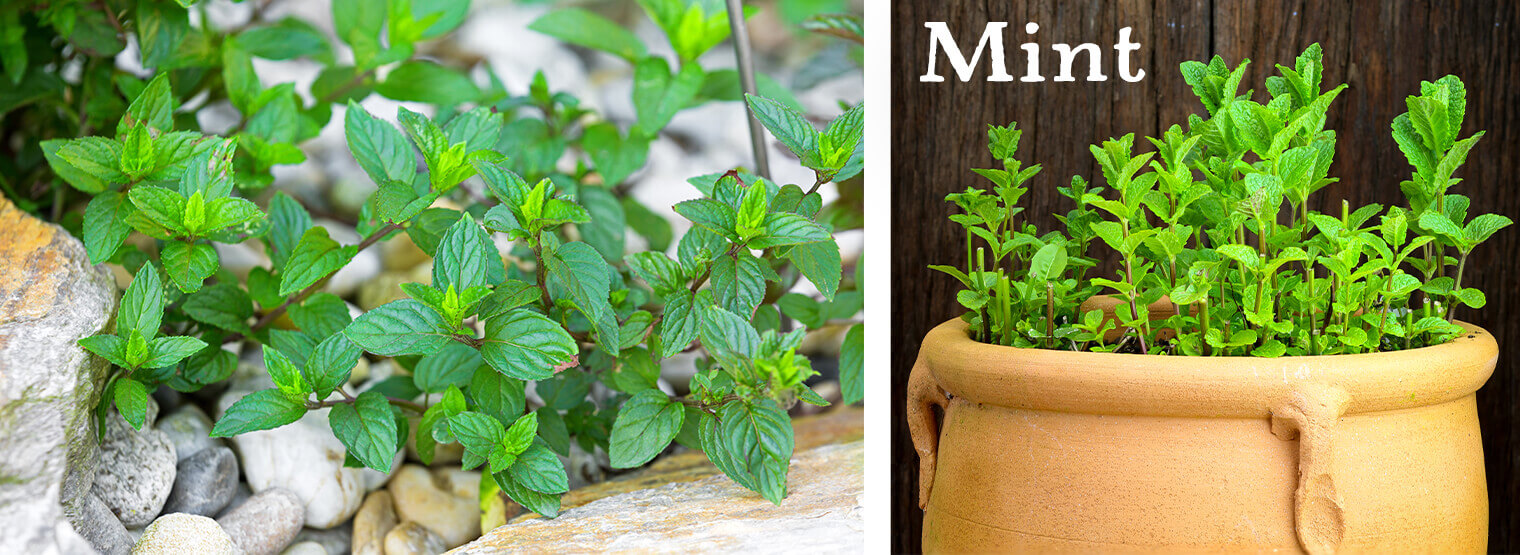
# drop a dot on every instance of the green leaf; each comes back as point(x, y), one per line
point(142, 306)
point(423, 81)
point(466, 257)
point(1482, 227)
point(79, 178)
point(189, 265)
point(658, 95)
point(852, 365)
point(154, 106)
point(711, 215)
point(164, 207)
point(526, 345)
point(783, 228)
point(664, 276)
point(579, 270)
point(367, 427)
point(541, 503)
point(168, 351)
point(645, 425)
point(1439, 223)
point(109, 347)
point(105, 225)
point(727, 334)
point(379, 147)
point(738, 282)
point(614, 156)
point(131, 400)
point(330, 364)
point(607, 228)
point(451, 366)
point(478, 433)
point(223, 305)
point(288, 38)
point(584, 28)
point(1240, 253)
point(820, 263)
point(321, 315)
point(404, 327)
point(788, 126)
point(137, 156)
point(1473, 298)
point(286, 376)
point(265, 409)
point(653, 227)
point(499, 396)
point(680, 324)
point(450, 404)
point(539, 470)
point(520, 434)
point(315, 257)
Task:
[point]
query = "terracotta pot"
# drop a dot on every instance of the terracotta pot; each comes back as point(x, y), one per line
point(1046, 450)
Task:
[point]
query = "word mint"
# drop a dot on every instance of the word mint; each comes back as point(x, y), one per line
point(992, 40)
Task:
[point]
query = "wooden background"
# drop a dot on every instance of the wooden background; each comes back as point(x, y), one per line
point(1382, 51)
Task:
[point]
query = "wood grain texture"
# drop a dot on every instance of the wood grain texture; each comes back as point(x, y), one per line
point(1381, 49)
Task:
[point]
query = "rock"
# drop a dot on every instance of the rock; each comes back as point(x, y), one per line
point(382, 289)
point(410, 538)
point(400, 253)
point(376, 518)
point(648, 505)
point(189, 429)
point(101, 528)
point(305, 458)
point(240, 258)
point(335, 540)
point(349, 195)
point(136, 470)
point(822, 511)
point(359, 271)
point(305, 548)
point(446, 502)
point(50, 297)
point(240, 494)
point(168, 399)
point(204, 483)
point(266, 522)
point(177, 533)
point(443, 453)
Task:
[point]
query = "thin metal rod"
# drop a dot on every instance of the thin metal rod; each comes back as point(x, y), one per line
point(746, 61)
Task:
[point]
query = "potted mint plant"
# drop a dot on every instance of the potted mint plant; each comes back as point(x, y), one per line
point(1254, 375)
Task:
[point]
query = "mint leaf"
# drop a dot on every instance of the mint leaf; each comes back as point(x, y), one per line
point(759, 433)
point(105, 225)
point(96, 157)
point(520, 434)
point(142, 306)
point(265, 409)
point(79, 178)
point(188, 265)
point(404, 327)
point(607, 230)
point(131, 400)
point(738, 282)
point(852, 364)
point(711, 215)
point(451, 404)
point(321, 315)
point(451, 366)
point(579, 270)
point(478, 433)
point(679, 324)
point(614, 156)
point(367, 427)
point(727, 334)
point(223, 305)
point(788, 126)
point(137, 156)
point(820, 263)
point(330, 364)
point(466, 258)
point(162, 206)
point(423, 81)
point(783, 228)
point(538, 469)
point(645, 426)
point(664, 276)
point(497, 395)
point(379, 147)
point(109, 347)
point(315, 257)
point(541, 503)
point(584, 28)
point(658, 95)
point(286, 376)
point(154, 106)
point(526, 345)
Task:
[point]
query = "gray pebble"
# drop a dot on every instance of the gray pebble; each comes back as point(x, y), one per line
point(99, 526)
point(204, 483)
point(136, 471)
point(266, 522)
point(190, 430)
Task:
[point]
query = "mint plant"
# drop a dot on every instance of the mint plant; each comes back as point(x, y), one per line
point(566, 306)
point(1200, 224)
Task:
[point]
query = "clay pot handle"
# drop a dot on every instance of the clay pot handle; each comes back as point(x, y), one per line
point(1310, 414)
point(924, 393)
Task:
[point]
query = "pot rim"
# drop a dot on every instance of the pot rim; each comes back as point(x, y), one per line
point(1214, 387)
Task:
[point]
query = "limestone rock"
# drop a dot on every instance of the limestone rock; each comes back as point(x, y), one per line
point(177, 533)
point(101, 528)
point(189, 429)
point(410, 538)
point(335, 540)
point(375, 519)
point(265, 523)
point(305, 458)
point(674, 509)
point(50, 297)
point(239, 494)
point(136, 470)
point(446, 502)
point(305, 548)
point(204, 483)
